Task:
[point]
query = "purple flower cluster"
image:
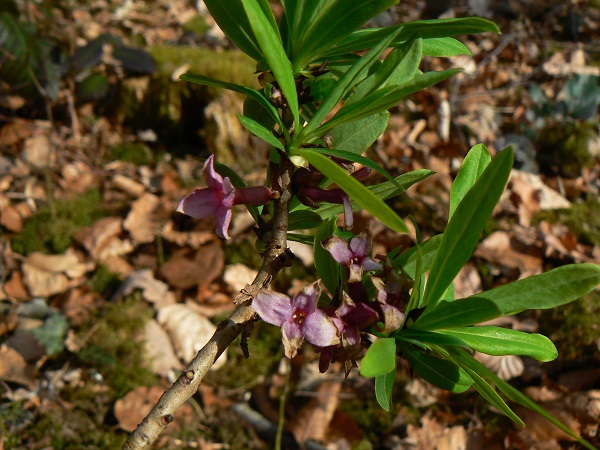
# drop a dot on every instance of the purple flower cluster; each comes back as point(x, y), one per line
point(219, 197)
point(335, 329)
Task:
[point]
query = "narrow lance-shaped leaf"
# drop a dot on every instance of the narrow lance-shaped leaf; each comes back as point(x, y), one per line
point(270, 44)
point(347, 82)
point(383, 191)
point(548, 290)
point(248, 92)
point(470, 170)
point(444, 47)
point(426, 29)
point(380, 100)
point(258, 130)
point(355, 190)
point(464, 229)
point(514, 394)
point(383, 390)
point(437, 371)
point(408, 259)
point(232, 19)
point(499, 341)
point(327, 268)
point(459, 313)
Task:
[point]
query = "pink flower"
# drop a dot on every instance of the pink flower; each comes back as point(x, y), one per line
point(219, 197)
point(298, 318)
point(354, 254)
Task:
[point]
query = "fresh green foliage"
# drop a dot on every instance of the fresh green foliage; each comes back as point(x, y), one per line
point(321, 106)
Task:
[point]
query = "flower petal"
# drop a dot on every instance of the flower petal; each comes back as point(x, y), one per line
point(273, 307)
point(223, 219)
point(199, 204)
point(370, 264)
point(319, 329)
point(360, 246)
point(306, 300)
point(338, 248)
point(213, 179)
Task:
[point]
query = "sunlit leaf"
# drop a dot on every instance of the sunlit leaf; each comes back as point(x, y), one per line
point(470, 170)
point(459, 313)
point(383, 389)
point(380, 358)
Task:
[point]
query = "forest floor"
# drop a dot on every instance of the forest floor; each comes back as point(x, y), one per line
point(107, 292)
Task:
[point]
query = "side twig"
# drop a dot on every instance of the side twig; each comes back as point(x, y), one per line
point(275, 258)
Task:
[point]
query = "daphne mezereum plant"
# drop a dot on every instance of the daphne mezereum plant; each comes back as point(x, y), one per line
point(309, 63)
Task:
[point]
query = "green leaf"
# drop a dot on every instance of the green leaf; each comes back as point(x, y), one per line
point(380, 358)
point(258, 130)
point(358, 136)
point(302, 238)
point(248, 92)
point(399, 66)
point(271, 47)
point(548, 290)
point(459, 313)
point(343, 87)
point(327, 268)
point(429, 337)
point(383, 389)
point(437, 371)
point(232, 19)
point(470, 170)
point(355, 189)
point(350, 156)
point(426, 29)
point(383, 191)
point(503, 341)
point(462, 233)
point(518, 397)
point(378, 101)
point(303, 220)
point(490, 394)
point(408, 259)
point(257, 112)
point(444, 47)
point(315, 25)
point(52, 333)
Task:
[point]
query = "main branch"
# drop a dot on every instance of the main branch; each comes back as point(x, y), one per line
point(274, 259)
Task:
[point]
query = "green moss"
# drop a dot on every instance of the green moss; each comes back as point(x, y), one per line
point(133, 152)
point(51, 230)
point(196, 25)
point(266, 350)
point(115, 349)
point(574, 328)
point(563, 147)
point(104, 280)
point(583, 219)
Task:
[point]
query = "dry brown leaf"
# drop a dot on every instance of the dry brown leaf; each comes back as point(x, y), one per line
point(188, 330)
point(80, 305)
point(237, 276)
point(313, 419)
point(26, 345)
point(131, 409)
point(37, 150)
point(467, 282)
point(500, 248)
point(126, 184)
point(42, 283)
point(506, 366)
point(102, 241)
point(193, 239)
point(11, 219)
point(160, 349)
point(13, 367)
point(16, 131)
point(139, 221)
point(118, 266)
point(77, 177)
point(153, 290)
point(183, 272)
point(15, 288)
point(68, 263)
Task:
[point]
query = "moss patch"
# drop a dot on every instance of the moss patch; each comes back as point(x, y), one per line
point(583, 219)
point(51, 230)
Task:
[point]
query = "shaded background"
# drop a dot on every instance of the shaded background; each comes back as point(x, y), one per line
point(107, 292)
